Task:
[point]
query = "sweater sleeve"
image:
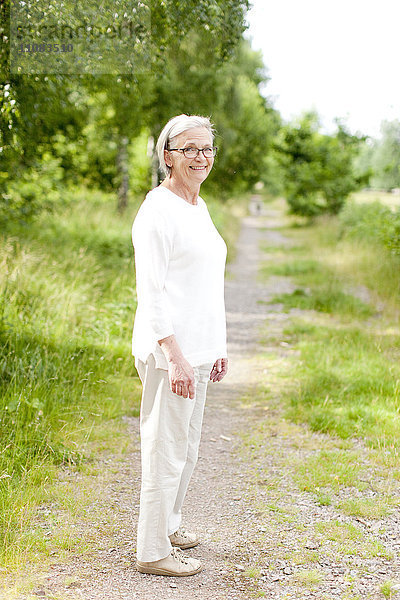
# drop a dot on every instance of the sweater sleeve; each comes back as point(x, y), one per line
point(151, 240)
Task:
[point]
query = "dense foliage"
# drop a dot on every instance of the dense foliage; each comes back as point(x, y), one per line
point(382, 157)
point(88, 125)
point(317, 168)
point(373, 223)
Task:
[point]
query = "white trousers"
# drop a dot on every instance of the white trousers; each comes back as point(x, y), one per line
point(170, 430)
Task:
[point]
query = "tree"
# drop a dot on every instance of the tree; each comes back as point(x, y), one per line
point(385, 159)
point(245, 121)
point(54, 111)
point(229, 94)
point(317, 168)
point(34, 109)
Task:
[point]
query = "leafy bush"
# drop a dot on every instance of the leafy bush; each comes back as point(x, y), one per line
point(372, 222)
point(317, 168)
point(39, 188)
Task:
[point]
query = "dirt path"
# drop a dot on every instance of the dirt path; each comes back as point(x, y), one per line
point(244, 547)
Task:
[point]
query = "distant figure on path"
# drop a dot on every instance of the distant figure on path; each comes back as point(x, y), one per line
point(179, 337)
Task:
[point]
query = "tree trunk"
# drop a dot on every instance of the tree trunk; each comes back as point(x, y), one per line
point(123, 174)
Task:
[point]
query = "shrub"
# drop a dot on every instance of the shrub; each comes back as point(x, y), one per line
point(372, 222)
point(38, 189)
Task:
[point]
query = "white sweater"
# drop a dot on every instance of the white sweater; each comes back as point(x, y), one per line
point(180, 263)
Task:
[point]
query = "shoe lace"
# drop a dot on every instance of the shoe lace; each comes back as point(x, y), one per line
point(179, 556)
point(181, 532)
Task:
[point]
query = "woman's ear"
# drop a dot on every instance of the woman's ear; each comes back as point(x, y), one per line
point(167, 158)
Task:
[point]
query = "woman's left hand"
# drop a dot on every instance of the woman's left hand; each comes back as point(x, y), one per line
point(219, 369)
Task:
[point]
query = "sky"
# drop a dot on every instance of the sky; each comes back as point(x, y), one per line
point(339, 57)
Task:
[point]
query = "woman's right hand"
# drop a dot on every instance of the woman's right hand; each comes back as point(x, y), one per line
point(180, 372)
point(181, 378)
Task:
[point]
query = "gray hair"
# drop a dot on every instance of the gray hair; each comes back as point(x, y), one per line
point(175, 127)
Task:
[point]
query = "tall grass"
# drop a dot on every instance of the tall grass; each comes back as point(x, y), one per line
point(66, 313)
point(346, 380)
point(367, 196)
point(358, 248)
point(348, 383)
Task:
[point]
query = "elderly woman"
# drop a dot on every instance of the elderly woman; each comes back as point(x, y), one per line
point(179, 337)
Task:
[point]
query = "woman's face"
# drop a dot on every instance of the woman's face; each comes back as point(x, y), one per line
point(190, 170)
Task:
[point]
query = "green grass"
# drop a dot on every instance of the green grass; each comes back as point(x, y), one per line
point(330, 430)
point(67, 302)
point(293, 268)
point(375, 508)
point(227, 218)
point(321, 289)
point(66, 313)
point(340, 376)
point(368, 196)
point(327, 468)
point(389, 589)
point(348, 539)
point(252, 572)
point(347, 382)
point(309, 578)
point(327, 299)
point(352, 249)
point(323, 499)
point(347, 375)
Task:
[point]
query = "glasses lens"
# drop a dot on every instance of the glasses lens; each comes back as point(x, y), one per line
point(209, 152)
point(190, 152)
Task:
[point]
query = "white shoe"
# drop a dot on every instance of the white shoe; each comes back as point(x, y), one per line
point(183, 539)
point(176, 564)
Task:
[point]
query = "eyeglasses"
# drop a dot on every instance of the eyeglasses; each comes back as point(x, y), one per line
point(192, 152)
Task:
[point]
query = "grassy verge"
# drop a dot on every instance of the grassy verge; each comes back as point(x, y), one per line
point(227, 218)
point(66, 314)
point(370, 196)
point(347, 380)
point(323, 505)
point(325, 480)
point(67, 304)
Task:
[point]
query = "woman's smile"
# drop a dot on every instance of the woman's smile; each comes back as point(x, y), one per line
point(187, 174)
